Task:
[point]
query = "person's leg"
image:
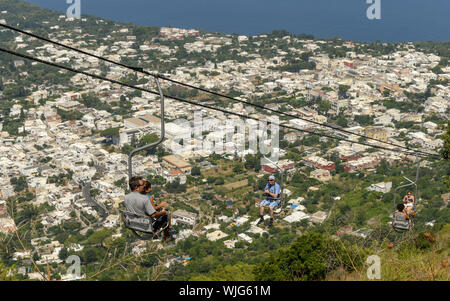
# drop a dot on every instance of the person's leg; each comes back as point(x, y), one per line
point(261, 212)
point(408, 209)
point(261, 215)
point(263, 204)
point(157, 225)
point(165, 221)
point(272, 206)
point(411, 211)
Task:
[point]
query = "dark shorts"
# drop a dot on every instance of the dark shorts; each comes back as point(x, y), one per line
point(161, 222)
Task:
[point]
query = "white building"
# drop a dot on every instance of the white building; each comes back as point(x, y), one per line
point(230, 243)
point(184, 217)
point(245, 237)
point(296, 216)
point(216, 235)
point(383, 187)
point(318, 217)
point(111, 221)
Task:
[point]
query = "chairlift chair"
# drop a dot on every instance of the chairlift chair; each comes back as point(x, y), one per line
point(143, 225)
point(399, 224)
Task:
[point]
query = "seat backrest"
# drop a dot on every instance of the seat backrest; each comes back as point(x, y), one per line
point(137, 222)
point(400, 221)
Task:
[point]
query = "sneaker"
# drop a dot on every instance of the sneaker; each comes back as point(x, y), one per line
point(271, 223)
point(260, 221)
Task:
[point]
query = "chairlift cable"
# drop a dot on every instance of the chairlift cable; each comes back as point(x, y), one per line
point(205, 106)
point(158, 75)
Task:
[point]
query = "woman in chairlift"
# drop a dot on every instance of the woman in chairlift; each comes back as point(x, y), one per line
point(408, 201)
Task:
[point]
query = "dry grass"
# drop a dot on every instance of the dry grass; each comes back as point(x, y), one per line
point(220, 170)
point(406, 263)
point(415, 267)
point(236, 184)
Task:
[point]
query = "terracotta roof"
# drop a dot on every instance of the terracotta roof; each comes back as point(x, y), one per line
point(175, 172)
point(174, 160)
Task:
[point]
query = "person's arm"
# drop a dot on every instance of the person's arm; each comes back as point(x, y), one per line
point(157, 207)
point(267, 190)
point(406, 214)
point(149, 209)
point(277, 191)
point(162, 205)
point(153, 203)
point(159, 213)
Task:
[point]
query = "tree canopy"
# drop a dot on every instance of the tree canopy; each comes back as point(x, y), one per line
point(309, 258)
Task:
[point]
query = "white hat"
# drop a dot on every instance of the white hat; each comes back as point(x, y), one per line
point(271, 177)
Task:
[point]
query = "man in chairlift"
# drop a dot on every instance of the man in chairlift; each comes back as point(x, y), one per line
point(272, 192)
point(135, 201)
point(138, 203)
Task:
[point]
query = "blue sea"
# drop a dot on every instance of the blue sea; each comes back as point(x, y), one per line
point(401, 20)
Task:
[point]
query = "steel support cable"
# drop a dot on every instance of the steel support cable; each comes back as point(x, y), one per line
point(157, 75)
point(200, 104)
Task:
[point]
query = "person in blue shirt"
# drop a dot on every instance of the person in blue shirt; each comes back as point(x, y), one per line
point(273, 193)
point(162, 215)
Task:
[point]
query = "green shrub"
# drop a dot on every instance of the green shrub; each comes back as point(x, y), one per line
point(311, 257)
